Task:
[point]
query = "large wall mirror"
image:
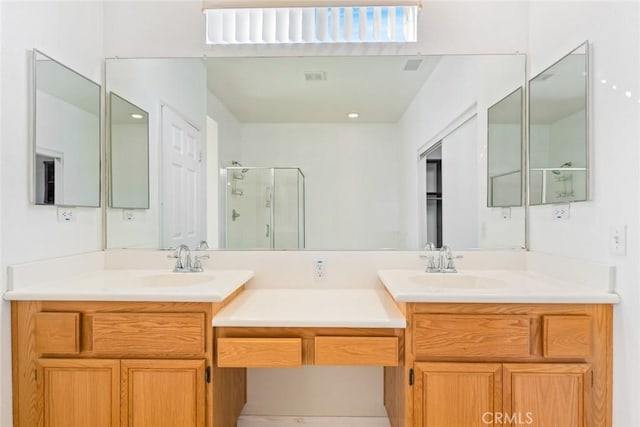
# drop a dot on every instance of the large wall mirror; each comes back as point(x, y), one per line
point(504, 151)
point(66, 135)
point(313, 152)
point(558, 131)
point(128, 154)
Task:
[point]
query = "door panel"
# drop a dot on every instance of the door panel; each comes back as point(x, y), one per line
point(547, 395)
point(163, 393)
point(183, 182)
point(79, 393)
point(457, 394)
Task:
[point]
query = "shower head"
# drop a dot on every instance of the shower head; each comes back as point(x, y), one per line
point(564, 165)
point(236, 163)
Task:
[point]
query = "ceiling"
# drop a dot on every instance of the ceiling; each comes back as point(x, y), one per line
point(64, 83)
point(559, 91)
point(272, 90)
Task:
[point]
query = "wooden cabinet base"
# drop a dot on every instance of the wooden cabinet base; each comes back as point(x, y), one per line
point(124, 364)
point(551, 366)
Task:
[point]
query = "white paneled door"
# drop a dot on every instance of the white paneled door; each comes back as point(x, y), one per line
point(182, 193)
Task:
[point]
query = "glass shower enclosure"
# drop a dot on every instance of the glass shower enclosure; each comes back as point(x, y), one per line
point(264, 208)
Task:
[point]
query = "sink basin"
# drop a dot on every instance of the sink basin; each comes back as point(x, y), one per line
point(456, 281)
point(172, 280)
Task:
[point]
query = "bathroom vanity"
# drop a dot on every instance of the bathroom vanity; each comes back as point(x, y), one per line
point(478, 347)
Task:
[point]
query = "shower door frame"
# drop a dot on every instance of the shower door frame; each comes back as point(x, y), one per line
point(225, 204)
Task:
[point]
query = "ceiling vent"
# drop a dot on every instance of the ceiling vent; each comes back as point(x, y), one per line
point(315, 76)
point(412, 64)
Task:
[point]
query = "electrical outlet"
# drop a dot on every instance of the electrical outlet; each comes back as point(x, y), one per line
point(618, 240)
point(127, 215)
point(561, 212)
point(320, 269)
point(66, 215)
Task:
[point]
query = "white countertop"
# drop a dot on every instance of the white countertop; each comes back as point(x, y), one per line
point(489, 286)
point(348, 308)
point(136, 285)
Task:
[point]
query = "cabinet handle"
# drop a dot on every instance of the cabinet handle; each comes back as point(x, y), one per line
point(207, 374)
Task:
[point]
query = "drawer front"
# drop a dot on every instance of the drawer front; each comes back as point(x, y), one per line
point(259, 352)
point(566, 336)
point(449, 335)
point(57, 333)
point(365, 351)
point(148, 333)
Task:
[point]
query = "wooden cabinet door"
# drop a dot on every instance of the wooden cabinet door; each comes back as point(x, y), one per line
point(456, 394)
point(79, 392)
point(547, 394)
point(163, 393)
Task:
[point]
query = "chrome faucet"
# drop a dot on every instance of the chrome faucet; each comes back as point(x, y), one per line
point(182, 255)
point(445, 261)
point(183, 259)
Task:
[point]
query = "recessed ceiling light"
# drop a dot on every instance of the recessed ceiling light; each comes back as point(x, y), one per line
point(627, 94)
point(136, 116)
point(353, 115)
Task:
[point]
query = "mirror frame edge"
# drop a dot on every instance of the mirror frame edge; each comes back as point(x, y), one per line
point(587, 129)
point(32, 113)
point(108, 151)
point(521, 89)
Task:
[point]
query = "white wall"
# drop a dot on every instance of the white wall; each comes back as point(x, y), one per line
point(150, 84)
point(555, 28)
point(350, 178)
point(460, 187)
point(70, 32)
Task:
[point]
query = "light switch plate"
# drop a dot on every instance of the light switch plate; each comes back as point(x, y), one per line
point(561, 212)
point(618, 240)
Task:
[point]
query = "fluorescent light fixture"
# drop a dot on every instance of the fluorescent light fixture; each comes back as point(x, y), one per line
point(353, 115)
point(136, 116)
point(321, 24)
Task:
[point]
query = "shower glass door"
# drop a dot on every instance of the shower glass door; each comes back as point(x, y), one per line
point(264, 208)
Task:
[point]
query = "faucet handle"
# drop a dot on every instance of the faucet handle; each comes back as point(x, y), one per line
point(429, 246)
point(197, 265)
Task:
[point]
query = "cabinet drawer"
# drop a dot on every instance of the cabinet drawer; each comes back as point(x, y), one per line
point(566, 336)
point(449, 335)
point(57, 332)
point(259, 352)
point(366, 351)
point(147, 333)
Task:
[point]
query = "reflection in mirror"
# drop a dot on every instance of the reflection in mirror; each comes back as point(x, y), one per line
point(504, 151)
point(358, 184)
point(264, 208)
point(558, 131)
point(66, 129)
point(128, 154)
